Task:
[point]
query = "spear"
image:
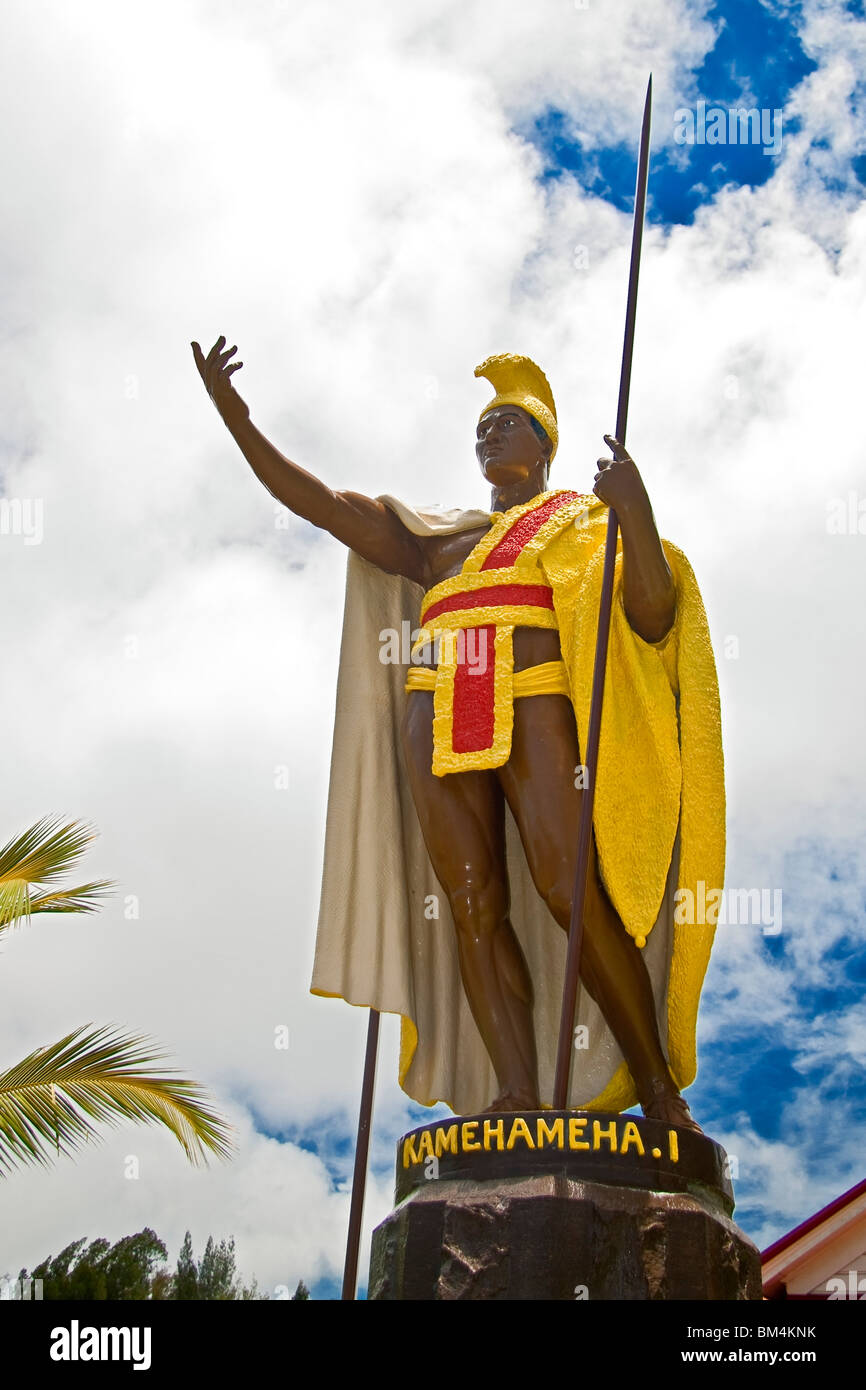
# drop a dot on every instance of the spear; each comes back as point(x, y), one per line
point(578, 898)
point(359, 1176)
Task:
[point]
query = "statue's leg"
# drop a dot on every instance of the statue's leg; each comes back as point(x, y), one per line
point(539, 784)
point(462, 817)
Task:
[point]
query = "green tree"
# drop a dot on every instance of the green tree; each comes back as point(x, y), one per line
point(216, 1273)
point(51, 1102)
point(300, 1292)
point(131, 1265)
point(214, 1277)
point(185, 1285)
point(133, 1268)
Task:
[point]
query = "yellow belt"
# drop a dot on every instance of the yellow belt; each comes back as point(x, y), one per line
point(548, 678)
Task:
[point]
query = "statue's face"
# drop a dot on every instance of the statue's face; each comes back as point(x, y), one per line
point(507, 446)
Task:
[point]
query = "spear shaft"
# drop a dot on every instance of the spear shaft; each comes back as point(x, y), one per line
point(362, 1148)
point(578, 898)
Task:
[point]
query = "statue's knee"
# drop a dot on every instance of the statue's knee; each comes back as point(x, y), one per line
point(477, 905)
point(557, 893)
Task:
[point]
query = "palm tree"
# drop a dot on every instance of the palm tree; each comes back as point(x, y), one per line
point(50, 1100)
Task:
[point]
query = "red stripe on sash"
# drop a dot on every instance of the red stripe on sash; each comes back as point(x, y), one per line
point(500, 595)
point(473, 720)
point(503, 555)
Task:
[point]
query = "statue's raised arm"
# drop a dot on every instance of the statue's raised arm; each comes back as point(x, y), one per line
point(367, 526)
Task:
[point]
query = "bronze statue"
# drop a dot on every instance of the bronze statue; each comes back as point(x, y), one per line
point(535, 773)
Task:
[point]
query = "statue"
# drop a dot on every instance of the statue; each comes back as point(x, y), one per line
point(456, 773)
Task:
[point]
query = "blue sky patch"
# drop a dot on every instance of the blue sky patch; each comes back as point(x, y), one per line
point(756, 62)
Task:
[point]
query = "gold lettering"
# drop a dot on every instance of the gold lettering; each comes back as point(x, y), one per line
point(409, 1154)
point(467, 1136)
point(608, 1133)
point(498, 1129)
point(520, 1129)
point(552, 1133)
point(673, 1146)
point(631, 1135)
point(425, 1146)
point(575, 1128)
point(446, 1140)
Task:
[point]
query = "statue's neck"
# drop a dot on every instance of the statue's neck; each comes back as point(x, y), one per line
point(502, 499)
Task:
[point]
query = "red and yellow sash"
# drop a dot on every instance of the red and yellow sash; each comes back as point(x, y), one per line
point(473, 614)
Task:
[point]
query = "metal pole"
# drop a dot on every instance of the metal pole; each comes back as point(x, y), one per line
point(362, 1147)
point(575, 933)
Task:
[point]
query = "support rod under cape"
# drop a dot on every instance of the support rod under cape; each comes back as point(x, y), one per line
point(362, 1147)
point(575, 932)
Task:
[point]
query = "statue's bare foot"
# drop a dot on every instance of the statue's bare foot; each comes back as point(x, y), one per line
point(513, 1100)
point(670, 1107)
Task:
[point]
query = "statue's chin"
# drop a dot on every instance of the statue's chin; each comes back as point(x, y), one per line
point(504, 477)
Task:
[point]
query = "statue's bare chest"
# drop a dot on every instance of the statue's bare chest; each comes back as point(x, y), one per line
point(446, 554)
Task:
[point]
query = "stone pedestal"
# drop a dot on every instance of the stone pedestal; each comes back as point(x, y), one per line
point(561, 1205)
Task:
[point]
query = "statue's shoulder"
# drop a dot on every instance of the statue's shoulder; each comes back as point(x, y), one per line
point(433, 520)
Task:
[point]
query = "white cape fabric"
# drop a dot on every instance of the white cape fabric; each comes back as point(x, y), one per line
point(379, 942)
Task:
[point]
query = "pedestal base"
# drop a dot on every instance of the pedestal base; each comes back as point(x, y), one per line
point(561, 1206)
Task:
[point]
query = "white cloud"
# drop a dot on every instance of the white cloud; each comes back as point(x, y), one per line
point(341, 190)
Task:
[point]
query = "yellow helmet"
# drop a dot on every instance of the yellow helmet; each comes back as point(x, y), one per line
point(518, 381)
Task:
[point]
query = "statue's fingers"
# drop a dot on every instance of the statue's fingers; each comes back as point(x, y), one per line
point(216, 349)
point(198, 356)
point(619, 450)
point(233, 368)
point(224, 356)
point(212, 361)
point(219, 369)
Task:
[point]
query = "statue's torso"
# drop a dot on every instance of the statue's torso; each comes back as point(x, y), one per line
point(445, 556)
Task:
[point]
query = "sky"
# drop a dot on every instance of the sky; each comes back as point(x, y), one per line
point(370, 198)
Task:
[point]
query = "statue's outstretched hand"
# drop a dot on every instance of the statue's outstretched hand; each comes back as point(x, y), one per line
point(215, 371)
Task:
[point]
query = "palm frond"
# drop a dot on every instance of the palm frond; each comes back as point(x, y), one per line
point(14, 901)
point(86, 898)
point(39, 856)
point(50, 1101)
point(48, 849)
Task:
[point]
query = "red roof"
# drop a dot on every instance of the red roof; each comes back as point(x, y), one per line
point(811, 1222)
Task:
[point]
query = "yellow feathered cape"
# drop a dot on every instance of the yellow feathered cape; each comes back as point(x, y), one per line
point(385, 936)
